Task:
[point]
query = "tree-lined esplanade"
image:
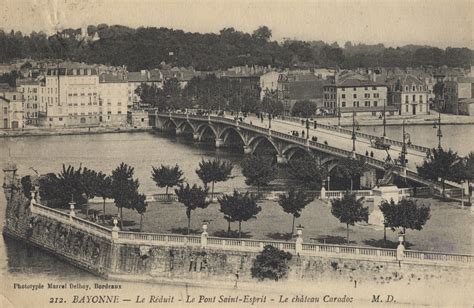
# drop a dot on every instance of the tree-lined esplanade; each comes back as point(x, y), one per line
point(147, 47)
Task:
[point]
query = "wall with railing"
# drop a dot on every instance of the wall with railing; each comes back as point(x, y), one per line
point(250, 245)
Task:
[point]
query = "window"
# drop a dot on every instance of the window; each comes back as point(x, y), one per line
point(406, 108)
point(343, 89)
point(406, 88)
point(355, 104)
point(375, 103)
point(343, 104)
point(343, 96)
point(354, 89)
point(376, 95)
point(413, 88)
point(421, 98)
point(60, 119)
point(367, 103)
point(367, 95)
point(5, 110)
point(366, 88)
point(355, 95)
point(421, 107)
point(414, 98)
point(374, 88)
point(119, 112)
point(406, 99)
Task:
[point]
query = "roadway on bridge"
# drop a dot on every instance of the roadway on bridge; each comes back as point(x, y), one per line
point(341, 140)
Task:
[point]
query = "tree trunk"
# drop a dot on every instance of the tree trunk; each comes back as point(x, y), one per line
point(121, 218)
point(442, 183)
point(141, 222)
point(189, 222)
point(212, 192)
point(240, 228)
point(347, 234)
point(384, 235)
point(468, 192)
point(293, 227)
point(228, 226)
point(103, 211)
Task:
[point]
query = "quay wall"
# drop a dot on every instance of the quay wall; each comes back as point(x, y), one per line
point(176, 258)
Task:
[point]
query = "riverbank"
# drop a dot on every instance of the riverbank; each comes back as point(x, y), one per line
point(36, 131)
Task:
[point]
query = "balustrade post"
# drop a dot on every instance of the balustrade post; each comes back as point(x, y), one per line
point(115, 229)
point(204, 235)
point(72, 213)
point(33, 195)
point(299, 239)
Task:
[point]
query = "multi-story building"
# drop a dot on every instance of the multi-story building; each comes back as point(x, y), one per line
point(296, 87)
point(32, 96)
point(11, 109)
point(113, 99)
point(356, 95)
point(269, 82)
point(455, 92)
point(135, 79)
point(409, 94)
point(71, 95)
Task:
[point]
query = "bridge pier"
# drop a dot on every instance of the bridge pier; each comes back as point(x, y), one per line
point(219, 142)
point(281, 159)
point(179, 131)
point(247, 149)
point(196, 137)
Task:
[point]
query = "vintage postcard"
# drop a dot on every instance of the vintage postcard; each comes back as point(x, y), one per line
point(178, 153)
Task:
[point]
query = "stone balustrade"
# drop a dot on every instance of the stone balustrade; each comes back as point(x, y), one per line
point(251, 245)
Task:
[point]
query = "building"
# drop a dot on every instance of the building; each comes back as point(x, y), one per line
point(296, 87)
point(269, 82)
point(31, 90)
point(466, 106)
point(356, 94)
point(113, 98)
point(135, 79)
point(11, 108)
point(455, 92)
point(71, 96)
point(409, 95)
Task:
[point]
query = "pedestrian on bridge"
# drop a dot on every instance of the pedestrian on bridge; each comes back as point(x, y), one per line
point(371, 154)
point(302, 133)
point(366, 153)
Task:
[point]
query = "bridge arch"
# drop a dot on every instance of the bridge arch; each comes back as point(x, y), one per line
point(290, 150)
point(257, 140)
point(227, 131)
point(186, 124)
point(202, 128)
point(170, 124)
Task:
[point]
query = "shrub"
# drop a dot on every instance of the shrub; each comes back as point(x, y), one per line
point(271, 263)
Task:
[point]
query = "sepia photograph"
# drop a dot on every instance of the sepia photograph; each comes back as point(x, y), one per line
point(236, 153)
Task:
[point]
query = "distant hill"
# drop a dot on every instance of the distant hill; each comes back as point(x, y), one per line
point(145, 48)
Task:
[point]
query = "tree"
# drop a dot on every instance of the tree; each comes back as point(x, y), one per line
point(307, 171)
point(293, 203)
point(192, 198)
point(89, 183)
point(167, 176)
point(263, 33)
point(349, 210)
point(103, 190)
point(271, 263)
point(405, 214)
point(140, 205)
point(238, 207)
point(124, 188)
point(270, 103)
point(258, 170)
point(305, 109)
point(352, 168)
point(441, 164)
point(212, 171)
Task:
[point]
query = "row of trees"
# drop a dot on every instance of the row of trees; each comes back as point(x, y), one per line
point(209, 93)
point(82, 184)
point(145, 48)
point(447, 165)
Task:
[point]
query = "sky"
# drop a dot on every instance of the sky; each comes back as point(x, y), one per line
point(441, 23)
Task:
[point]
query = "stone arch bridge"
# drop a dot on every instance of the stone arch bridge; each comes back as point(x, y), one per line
point(285, 145)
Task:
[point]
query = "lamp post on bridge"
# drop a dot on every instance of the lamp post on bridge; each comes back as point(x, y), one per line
point(403, 154)
point(384, 120)
point(307, 128)
point(353, 131)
